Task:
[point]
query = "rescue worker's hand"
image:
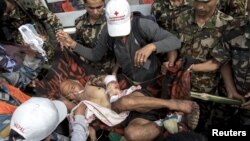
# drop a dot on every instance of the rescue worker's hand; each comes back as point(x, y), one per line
point(165, 66)
point(80, 110)
point(65, 40)
point(236, 95)
point(92, 134)
point(246, 105)
point(142, 54)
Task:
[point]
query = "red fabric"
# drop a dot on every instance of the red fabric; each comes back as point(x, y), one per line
point(66, 66)
point(180, 87)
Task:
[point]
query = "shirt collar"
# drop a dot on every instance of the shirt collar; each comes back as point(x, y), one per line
point(210, 23)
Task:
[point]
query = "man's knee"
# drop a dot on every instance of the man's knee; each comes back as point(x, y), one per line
point(141, 130)
point(132, 133)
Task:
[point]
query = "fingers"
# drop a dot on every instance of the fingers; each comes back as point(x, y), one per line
point(170, 64)
point(166, 66)
point(247, 95)
point(142, 55)
point(80, 110)
point(241, 98)
point(246, 105)
point(190, 68)
point(65, 40)
point(140, 59)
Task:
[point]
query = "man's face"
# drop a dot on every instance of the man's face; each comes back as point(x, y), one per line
point(204, 8)
point(94, 8)
point(71, 90)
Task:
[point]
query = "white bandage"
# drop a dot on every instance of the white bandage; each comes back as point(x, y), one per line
point(109, 78)
point(114, 98)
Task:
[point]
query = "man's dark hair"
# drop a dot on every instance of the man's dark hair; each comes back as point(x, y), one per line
point(85, 1)
point(2, 8)
point(15, 136)
point(186, 136)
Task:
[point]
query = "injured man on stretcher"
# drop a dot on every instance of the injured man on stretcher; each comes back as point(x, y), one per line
point(133, 109)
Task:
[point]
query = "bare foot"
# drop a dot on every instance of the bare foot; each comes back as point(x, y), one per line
point(190, 109)
point(184, 106)
point(192, 118)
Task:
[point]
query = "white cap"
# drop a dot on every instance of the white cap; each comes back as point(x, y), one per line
point(37, 118)
point(109, 78)
point(118, 18)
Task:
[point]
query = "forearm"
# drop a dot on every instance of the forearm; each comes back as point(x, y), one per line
point(226, 73)
point(80, 129)
point(44, 14)
point(172, 55)
point(168, 44)
point(88, 53)
point(208, 66)
point(162, 39)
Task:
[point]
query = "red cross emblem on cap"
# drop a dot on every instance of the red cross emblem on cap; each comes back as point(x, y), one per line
point(116, 13)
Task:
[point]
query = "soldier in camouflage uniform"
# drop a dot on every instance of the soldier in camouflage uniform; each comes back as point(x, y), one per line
point(236, 48)
point(200, 30)
point(165, 11)
point(20, 12)
point(88, 29)
point(199, 40)
point(234, 8)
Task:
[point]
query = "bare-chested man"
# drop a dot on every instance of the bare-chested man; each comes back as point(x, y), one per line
point(139, 102)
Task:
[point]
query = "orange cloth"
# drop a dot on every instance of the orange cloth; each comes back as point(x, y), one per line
point(6, 108)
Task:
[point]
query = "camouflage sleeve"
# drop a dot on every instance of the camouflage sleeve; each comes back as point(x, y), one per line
point(43, 13)
point(235, 8)
point(78, 33)
point(7, 63)
point(222, 53)
point(157, 9)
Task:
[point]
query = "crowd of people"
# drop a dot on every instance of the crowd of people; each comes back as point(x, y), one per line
point(132, 55)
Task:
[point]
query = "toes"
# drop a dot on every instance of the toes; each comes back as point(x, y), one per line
point(193, 117)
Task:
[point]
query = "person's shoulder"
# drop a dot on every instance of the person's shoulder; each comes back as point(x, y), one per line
point(187, 14)
point(79, 20)
point(30, 4)
point(235, 32)
point(185, 18)
point(223, 19)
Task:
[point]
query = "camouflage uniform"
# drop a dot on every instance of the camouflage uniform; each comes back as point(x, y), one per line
point(164, 12)
point(234, 8)
point(198, 43)
point(41, 16)
point(235, 49)
point(10, 23)
point(87, 34)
